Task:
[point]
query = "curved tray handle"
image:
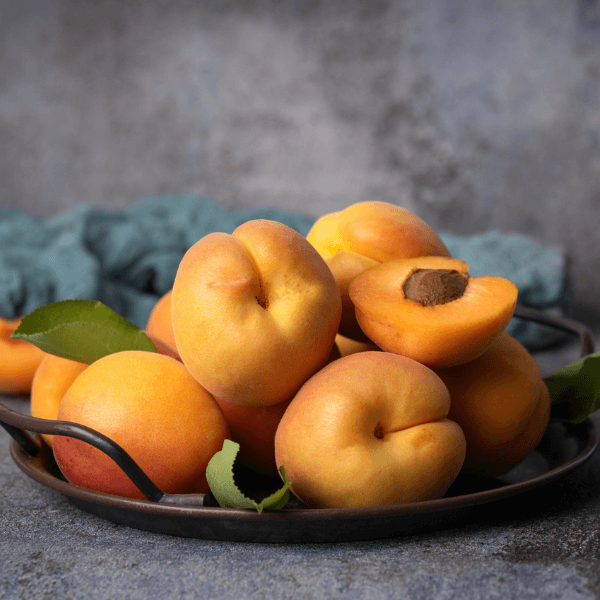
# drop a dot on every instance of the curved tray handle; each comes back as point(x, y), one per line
point(17, 424)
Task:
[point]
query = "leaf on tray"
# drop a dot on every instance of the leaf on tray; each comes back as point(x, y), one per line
point(575, 389)
point(219, 474)
point(81, 330)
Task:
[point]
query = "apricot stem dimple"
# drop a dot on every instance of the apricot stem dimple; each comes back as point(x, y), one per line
point(430, 287)
point(262, 302)
point(379, 432)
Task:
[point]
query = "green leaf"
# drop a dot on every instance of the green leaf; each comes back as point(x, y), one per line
point(219, 474)
point(81, 330)
point(575, 389)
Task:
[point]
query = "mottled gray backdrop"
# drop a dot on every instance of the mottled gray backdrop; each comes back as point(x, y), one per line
point(475, 115)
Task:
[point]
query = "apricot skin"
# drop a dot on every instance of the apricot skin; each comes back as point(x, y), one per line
point(254, 428)
point(348, 346)
point(152, 407)
point(19, 360)
point(159, 322)
point(502, 404)
point(52, 379)
point(254, 313)
point(370, 429)
point(378, 230)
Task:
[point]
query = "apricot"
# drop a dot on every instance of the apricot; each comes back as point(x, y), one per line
point(18, 360)
point(159, 322)
point(55, 375)
point(370, 429)
point(254, 428)
point(155, 410)
point(378, 230)
point(345, 266)
point(348, 346)
point(502, 404)
point(52, 379)
point(363, 235)
point(254, 313)
point(429, 309)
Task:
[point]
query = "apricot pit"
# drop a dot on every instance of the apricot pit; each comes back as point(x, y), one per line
point(431, 287)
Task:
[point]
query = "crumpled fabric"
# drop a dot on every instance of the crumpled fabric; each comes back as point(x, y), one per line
point(128, 258)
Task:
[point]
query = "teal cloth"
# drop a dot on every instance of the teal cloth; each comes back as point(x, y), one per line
point(128, 258)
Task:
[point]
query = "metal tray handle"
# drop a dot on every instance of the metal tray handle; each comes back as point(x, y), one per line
point(18, 424)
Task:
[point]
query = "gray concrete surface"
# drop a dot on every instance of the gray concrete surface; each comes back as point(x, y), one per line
point(473, 114)
point(542, 545)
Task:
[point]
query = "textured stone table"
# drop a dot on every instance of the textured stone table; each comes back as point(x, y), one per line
point(544, 544)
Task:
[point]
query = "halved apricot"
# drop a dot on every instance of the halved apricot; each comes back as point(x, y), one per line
point(429, 309)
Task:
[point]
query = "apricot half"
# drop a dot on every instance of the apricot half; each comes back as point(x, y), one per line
point(370, 429)
point(429, 309)
point(363, 235)
point(502, 404)
point(254, 313)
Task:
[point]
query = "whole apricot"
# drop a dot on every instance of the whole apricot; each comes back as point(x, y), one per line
point(151, 406)
point(255, 313)
point(160, 324)
point(370, 429)
point(18, 360)
point(52, 379)
point(254, 428)
point(348, 346)
point(502, 404)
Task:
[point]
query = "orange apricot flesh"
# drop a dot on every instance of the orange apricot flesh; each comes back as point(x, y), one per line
point(438, 335)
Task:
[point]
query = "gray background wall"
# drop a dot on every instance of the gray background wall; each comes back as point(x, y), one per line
point(474, 115)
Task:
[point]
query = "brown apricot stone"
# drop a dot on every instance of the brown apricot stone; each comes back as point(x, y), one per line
point(435, 334)
point(430, 287)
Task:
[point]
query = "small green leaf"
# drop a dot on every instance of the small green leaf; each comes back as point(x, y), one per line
point(81, 330)
point(575, 389)
point(219, 474)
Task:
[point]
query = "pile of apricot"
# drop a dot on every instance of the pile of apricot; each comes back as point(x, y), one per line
point(362, 357)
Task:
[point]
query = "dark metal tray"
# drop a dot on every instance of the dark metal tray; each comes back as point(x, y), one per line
point(563, 449)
